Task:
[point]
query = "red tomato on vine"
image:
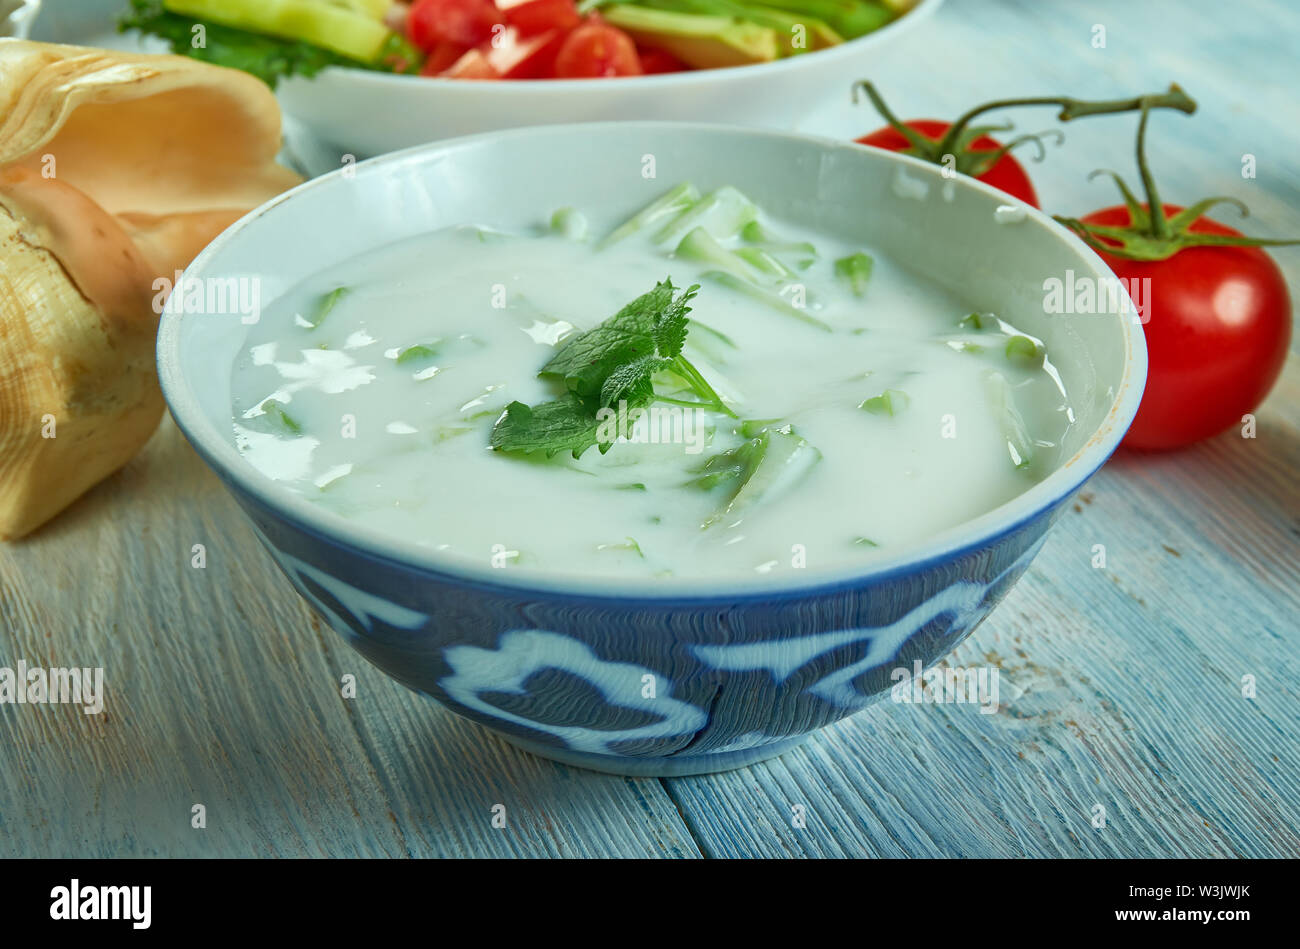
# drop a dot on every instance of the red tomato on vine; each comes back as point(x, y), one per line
point(1216, 312)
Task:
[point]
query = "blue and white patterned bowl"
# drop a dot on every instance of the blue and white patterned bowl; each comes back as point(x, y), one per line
point(643, 676)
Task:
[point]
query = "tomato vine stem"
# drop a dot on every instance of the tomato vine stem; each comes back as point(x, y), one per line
point(1151, 234)
point(957, 139)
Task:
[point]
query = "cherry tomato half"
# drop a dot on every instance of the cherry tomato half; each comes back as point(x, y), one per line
point(523, 57)
point(441, 58)
point(463, 23)
point(596, 50)
point(531, 17)
point(1218, 325)
point(654, 61)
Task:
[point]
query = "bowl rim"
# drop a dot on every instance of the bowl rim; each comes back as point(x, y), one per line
point(968, 536)
point(922, 11)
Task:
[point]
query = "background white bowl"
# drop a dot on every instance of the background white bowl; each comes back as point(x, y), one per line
point(368, 113)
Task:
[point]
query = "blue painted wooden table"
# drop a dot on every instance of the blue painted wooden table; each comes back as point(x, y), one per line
point(1149, 707)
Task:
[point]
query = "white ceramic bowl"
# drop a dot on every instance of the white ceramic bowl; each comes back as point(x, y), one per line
point(369, 113)
point(744, 667)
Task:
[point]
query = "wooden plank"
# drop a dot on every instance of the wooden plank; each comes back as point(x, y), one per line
point(224, 690)
point(1122, 685)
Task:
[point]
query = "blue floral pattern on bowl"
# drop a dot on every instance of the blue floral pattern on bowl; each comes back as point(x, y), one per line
point(659, 687)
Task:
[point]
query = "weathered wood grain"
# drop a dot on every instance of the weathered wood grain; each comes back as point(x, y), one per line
point(223, 690)
point(1121, 686)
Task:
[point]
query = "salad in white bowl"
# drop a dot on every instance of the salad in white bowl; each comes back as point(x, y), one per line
point(371, 76)
point(506, 39)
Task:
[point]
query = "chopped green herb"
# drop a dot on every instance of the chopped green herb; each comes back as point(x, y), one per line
point(630, 486)
point(616, 361)
point(586, 360)
point(856, 269)
point(864, 542)
point(418, 351)
point(277, 417)
point(890, 402)
point(446, 432)
point(629, 543)
point(566, 424)
point(324, 305)
point(972, 322)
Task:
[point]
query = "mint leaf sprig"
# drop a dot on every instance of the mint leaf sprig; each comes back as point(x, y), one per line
point(614, 362)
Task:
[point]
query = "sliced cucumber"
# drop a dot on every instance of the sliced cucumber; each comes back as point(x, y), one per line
point(375, 9)
point(674, 203)
point(346, 32)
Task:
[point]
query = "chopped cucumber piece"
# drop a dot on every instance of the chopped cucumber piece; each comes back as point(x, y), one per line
point(1024, 352)
point(756, 426)
point(571, 223)
point(891, 402)
point(721, 337)
point(849, 18)
point(1002, 404)
point(803, 253)
point(418, 351)
point(699, 245)
point(723, 213)
point(375, 9)
point(758, 470)
point(333, 27)
point(705, 339)
point(705, 42)
point(673, 203)
point(765, 263)
point(773, 300)
point(796, 33)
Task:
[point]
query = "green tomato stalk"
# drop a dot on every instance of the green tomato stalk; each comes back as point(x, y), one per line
point(960, 135)
point(1150, 233)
